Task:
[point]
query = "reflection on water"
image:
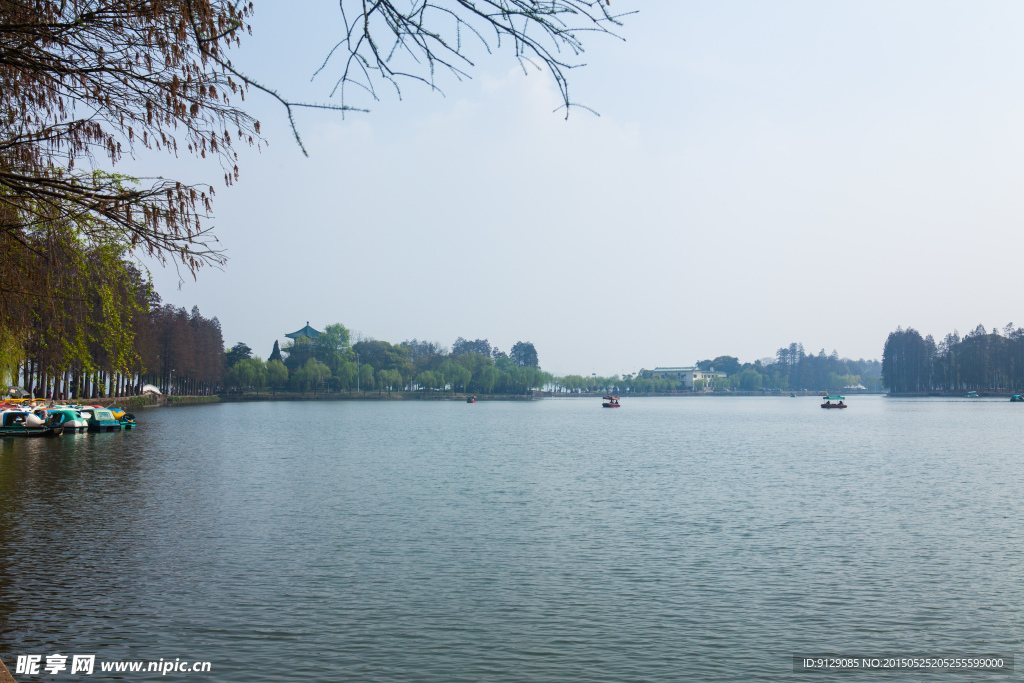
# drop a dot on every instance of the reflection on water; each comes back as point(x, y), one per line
point(550, 540)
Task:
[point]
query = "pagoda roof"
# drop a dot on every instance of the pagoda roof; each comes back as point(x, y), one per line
point(306, 331)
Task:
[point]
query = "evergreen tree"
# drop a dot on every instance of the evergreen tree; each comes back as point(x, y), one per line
point(236, 353)
point(524, 354)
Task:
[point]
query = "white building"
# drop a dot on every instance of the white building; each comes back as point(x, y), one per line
point(687, 375)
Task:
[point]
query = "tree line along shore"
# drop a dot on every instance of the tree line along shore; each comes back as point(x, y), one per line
point(981, 360)
point(89, 354)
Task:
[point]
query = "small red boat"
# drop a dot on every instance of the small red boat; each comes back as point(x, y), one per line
point(610, 402)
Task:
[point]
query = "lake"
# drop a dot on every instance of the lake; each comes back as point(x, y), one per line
point(552, 540)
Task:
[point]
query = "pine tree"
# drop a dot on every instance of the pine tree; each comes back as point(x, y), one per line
point(276, 353)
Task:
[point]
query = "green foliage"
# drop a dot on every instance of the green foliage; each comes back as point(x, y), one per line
point(429, 380)
point(389, 379)
point(383, 355)
point(247, 374)
point(460, 378)
point(277, 374)
point(311, 376)
point(751, 380)
point(276, 353)
point(524, 355)
point(387, 367)
point(11, 350)
point(488, 378)
point(479, 346)
point(237, 353)
point(979, 361)
point(332, 346)
point(366, 377)
point(791, 367)
point(727, 364)
point(474, 362)
point(345, 374)
point(454, 375)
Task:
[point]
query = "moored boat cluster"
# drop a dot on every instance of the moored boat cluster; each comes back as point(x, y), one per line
point(30, 419)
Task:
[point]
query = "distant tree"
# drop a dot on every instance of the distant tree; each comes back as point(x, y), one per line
point(905, 362)
point(332, 345)
point(298, 380)
point(428, 379)
point(730, 365)
point(365, 377)
point(449, 372)
point(277, 373)
point(310, 376)
point(383, 355)
point(184, 353)
point(524, 355)
point(317, 373)
point(751, 380)
point(237, 353)
point(461, 377)
point(345, 375)
point(388, 379)
point(481, 346)
point(422, 355)
point(418, 349)
point(248, 373)
point(488, 379)
point(258, 372)
point(276, 354)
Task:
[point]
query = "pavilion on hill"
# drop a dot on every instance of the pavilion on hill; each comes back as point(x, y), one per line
point(306, 331)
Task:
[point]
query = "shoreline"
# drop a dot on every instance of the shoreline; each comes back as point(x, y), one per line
point(140, 402)
point(170, 401)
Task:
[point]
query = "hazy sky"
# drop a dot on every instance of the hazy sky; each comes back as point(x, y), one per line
point(761, 173)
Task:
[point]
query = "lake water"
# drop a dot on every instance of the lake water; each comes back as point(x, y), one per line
point(672, 539)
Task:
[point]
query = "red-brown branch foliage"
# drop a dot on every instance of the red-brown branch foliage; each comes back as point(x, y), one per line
point(88, 81)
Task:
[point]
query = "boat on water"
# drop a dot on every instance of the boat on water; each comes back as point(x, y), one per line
point(1016, 398)
point(102, 420)
point(56, 420)
point(610, 401)
point(829, 404)
point(971, 394)
point(22, 423)
point(471, 399)
point(127, 420)
point(792, 395)
point(66, 421)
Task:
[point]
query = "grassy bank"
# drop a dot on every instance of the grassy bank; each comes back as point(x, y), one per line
point(150, 401)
